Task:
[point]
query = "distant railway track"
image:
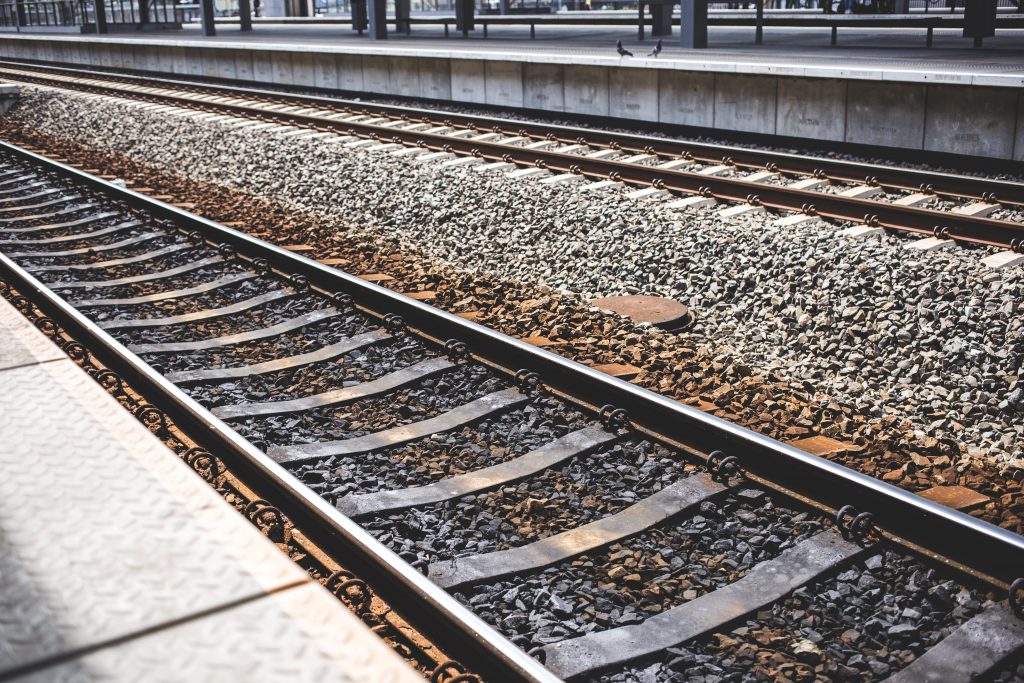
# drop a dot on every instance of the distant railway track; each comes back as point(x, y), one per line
point(963, 208)
point(351, 402)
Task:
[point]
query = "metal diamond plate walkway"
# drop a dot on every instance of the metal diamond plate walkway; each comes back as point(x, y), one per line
point(118, 563)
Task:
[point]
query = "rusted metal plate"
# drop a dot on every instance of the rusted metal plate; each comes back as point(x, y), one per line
point(453, 419)
point(140, 258)
point(381, 385)
point(146, 277)
point(131, 241)
point(77, 237)
point(969, 652)
point(569, 446)
point(957, 497)
point(50, 214)
point(170, 294)
point(620, 370)
point(664, 504)
point(764, 584)
point(55, 226)
point(656, 310)
point(229, 339)
point(209, 314)
point(822, 446)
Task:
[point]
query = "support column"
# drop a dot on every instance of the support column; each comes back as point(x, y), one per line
point(207, 14)
point(661, 18)
point(979, 20)
point(143, 12)
point(402, 13)
point(464, 20)
point(759, 31)
point(377, 11)
point(19, 9)
point(100, 8)
point(693, 24)
point(244, 15)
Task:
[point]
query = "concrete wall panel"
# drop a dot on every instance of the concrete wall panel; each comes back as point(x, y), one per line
point(303, 72)
point(435, 79)
point(745, 103)
point(503, 83)
point(890, 116)
point(687, 99)
point(179, 59)
point(350, 72)
point(262, 67)
point(281, 68)
point(105, 57)
point(586, 90)
point(403, 76)
point(325, 71)
point(811, 108)
point(976, 121)
point(375, 74)
point(243, 65)
point(468, 82)
point(633, 94)
point(543, 87)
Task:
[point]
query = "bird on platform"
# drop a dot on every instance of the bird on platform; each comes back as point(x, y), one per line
point(623, 52)
point(656, 51)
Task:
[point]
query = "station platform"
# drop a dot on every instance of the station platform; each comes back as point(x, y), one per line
point(878, 88)
point(118, 563)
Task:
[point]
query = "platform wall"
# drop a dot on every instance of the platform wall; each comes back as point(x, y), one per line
point(961, 118)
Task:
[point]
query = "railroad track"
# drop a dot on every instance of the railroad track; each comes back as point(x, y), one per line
point(533, 516)
point(947, 207)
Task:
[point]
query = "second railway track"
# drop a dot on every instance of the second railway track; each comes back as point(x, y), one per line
point(945, 206)
point(599, 527)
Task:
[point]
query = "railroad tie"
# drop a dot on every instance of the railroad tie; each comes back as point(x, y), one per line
point(381, 385)
point(51, 214)
point(453, 419)
point(966, 654)
point(569, 446)
point(110, 263)
point(763, 585)
point(134, 279)
point(77, 237)
point(54, 226)
point(197, 316)
point(240, 337)
point(666, 503)
point(42, 205)
point(79, 251)
point(219, 283)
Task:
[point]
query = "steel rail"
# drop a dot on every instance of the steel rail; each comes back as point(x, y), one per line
point(944, 533)
point(940, 183)
point(960, 227)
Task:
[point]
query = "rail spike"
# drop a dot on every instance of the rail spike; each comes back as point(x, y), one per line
point(722, 467)
point(1016, 597)
point(854, 525)
point(612, 417)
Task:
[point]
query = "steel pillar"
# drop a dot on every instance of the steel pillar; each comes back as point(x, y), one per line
point(100, 8)
point(693, 24)
point(464, 19)
point(377, 11)
point(207, 14)
point(244, 15)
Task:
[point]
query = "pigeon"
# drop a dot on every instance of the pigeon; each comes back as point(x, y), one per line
point(656, 51)
point(623, 52)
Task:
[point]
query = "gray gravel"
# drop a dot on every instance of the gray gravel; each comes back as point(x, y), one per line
point(934, 338)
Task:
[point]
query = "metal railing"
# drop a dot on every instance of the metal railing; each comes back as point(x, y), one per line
point(60, 13)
